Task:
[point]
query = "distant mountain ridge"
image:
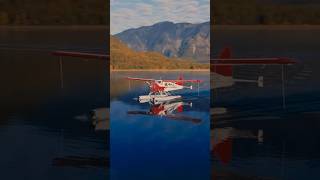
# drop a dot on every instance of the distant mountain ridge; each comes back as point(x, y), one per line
point(177, 40)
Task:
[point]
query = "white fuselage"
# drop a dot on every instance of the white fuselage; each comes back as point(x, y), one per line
point(221, 81)
point(169, 86)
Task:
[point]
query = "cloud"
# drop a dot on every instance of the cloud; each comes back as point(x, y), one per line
point(127, 14)
point(144, 9)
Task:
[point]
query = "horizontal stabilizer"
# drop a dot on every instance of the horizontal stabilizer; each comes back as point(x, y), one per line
point(81, 55)
point(185, 80)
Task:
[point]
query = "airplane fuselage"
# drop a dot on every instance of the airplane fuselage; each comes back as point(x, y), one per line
point(221, 81)
point(165, 85)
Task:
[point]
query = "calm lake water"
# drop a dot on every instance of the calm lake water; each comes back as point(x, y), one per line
point(145, 146)
point(48, 131)
point(269, 132)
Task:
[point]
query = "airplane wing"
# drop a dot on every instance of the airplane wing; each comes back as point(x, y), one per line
point(186, 80)
point(172, 116)
point(139, 79)
point(225, 58)
point(184, 118)
point(251, 61)
point(81, 55)
point(138, 113)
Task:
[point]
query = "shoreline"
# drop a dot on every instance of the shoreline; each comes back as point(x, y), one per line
point(159, 70)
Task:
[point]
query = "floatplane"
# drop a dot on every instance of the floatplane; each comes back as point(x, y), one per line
point(160, 90)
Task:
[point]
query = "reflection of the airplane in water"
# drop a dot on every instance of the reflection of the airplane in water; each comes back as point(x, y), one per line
point(170, 110)
point(245, 134)
point(223, 134)
point(221, 141)
point(99, 118)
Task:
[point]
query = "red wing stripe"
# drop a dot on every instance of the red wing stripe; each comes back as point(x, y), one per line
point(80, 55)
point(252, 61)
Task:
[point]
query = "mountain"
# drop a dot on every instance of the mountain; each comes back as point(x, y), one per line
point(177, 40)
point(122, 57)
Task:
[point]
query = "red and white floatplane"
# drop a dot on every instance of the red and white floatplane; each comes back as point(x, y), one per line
point(160, 90)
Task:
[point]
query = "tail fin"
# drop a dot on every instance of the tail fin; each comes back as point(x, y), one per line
point(180, 82)
point(223, 151)
point(225, 53)
point(223, 70)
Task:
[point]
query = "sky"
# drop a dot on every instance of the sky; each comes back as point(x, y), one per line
point(126, 14)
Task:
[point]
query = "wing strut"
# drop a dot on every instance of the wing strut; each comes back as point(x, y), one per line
point(61, 71)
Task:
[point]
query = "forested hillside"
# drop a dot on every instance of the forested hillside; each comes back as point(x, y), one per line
point(123, 57)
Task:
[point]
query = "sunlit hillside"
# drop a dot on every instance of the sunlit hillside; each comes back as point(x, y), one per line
point(123, 57)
